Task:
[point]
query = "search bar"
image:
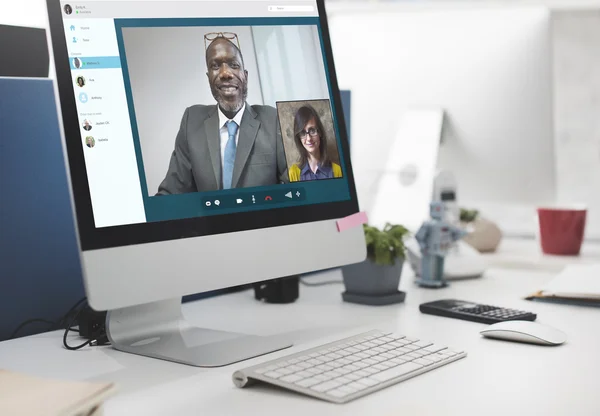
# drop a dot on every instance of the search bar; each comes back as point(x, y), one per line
point(287, 9)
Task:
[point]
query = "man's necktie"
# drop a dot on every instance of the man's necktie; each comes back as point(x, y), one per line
point(229, 158)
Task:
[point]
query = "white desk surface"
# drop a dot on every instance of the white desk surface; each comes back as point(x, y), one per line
point(497, 377)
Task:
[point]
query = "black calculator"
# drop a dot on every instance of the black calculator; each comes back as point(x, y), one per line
point(476, 312)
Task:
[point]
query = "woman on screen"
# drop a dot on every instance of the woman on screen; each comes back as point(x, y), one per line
point(311, 142)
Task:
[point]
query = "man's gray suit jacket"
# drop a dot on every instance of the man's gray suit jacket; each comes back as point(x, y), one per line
point(195, 164)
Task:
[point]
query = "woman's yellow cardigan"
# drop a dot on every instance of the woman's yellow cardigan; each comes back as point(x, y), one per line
point(294, 172)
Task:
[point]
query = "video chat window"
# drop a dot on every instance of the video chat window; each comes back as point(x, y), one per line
point(309, 140)
point(187, 82)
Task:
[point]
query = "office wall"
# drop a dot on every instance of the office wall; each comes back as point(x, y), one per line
point(23, 13)
point(577, 110)
point(575, 35)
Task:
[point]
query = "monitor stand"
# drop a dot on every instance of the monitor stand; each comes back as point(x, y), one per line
point(159, 330)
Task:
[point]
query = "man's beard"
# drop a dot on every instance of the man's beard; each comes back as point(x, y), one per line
point(230, 106)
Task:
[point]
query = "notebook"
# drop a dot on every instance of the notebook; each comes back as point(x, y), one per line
point(577, 284)
point(25, 395)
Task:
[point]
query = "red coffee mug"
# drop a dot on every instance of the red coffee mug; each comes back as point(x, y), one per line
point(562, 230)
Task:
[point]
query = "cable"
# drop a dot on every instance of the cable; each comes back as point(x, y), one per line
point(67, 321)
point(69, 328)
point(30, 321)
point(324, 283)
point(53, 325)
point(63, 320)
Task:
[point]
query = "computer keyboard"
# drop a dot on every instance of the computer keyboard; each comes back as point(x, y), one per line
point(351, 368)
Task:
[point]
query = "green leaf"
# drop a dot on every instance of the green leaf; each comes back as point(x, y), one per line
point(385, 246)
point(467, 215)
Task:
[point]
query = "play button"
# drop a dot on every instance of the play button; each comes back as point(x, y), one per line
point(289, 195)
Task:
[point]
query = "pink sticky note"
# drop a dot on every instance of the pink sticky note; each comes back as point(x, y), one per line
point(351, 221)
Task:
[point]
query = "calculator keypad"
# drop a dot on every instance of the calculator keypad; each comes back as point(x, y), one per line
point(493, 312)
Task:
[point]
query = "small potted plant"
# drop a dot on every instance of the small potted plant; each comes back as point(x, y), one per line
point(484, 235)
point(375, 281)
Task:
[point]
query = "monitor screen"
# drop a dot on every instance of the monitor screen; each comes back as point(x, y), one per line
point(199, 109)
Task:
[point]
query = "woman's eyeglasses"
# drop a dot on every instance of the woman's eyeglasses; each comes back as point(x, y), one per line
point(209, 37)
point(311, 131)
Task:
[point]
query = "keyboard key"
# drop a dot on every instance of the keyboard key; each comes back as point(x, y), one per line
point(343, 380)
point(423, 361)
point(314, 370)
point(394, 372)
point(292, 378)
point(343, 370)
point(369, 382)
point(371, 370)
point(328, 385)
point(346, 388)
point(273, 374)
point(358, 386)
point(324, 367)
point(422, 344)
point(332, 374)
point(284, 371)
point(434, 348)
point(308, 382)
point(339, 393)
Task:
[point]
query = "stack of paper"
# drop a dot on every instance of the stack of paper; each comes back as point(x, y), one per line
point(26, 395)
point(577, 283)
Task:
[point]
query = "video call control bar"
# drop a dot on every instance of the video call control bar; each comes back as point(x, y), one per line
point(179, 9)
point(248, 199)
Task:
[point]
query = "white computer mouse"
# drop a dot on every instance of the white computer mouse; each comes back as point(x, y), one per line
point(525, 331)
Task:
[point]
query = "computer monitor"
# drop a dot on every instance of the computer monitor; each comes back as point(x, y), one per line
point(488, 68)
point(206, 149)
